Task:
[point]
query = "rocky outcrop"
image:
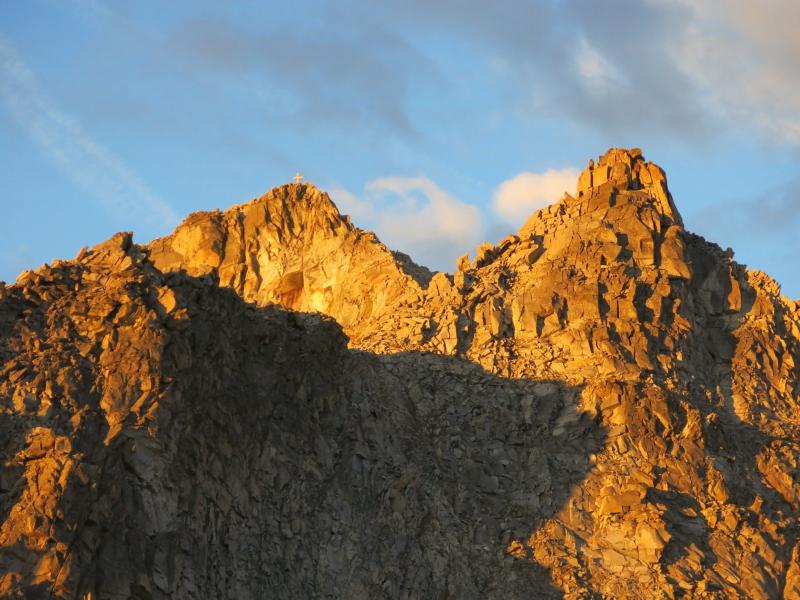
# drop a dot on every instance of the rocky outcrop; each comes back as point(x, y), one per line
point(270, 401)
point(293, 248)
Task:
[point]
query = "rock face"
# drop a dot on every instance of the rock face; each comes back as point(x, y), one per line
point(271, 403)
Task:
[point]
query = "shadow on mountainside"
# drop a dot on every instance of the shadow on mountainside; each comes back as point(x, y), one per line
point(222, 450)
point(464, 463)
point(750, 450)
point(714, 496)
point(750, 473)
point(14, 430)
point(723, 458)
point(720, 502)
point(271, 460)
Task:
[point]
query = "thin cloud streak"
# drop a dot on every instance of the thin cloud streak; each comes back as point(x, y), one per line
point(91, 166)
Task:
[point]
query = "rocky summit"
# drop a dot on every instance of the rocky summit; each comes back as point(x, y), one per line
point(270, 403)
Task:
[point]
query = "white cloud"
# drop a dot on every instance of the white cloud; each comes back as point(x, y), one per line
point(92, 167)
point(518, 197)
point(416, 216)
point(348, 203)
point(422, 210)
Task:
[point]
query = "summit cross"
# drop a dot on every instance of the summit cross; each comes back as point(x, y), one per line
point(297, 177)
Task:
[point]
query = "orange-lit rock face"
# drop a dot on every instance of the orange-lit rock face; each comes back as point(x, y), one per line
point(291, 247)
point(270, 401)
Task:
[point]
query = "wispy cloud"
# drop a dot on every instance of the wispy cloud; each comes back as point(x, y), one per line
point(600, 78)
point(416, 216)
point(597, 74)
point(687, 68)
point(518, 197)
point(91, 166)
point(744, 56)
point(337, 76)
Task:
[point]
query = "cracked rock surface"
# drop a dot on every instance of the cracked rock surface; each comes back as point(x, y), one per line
point(270, 403)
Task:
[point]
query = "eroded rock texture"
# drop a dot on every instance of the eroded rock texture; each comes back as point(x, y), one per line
point(271, 403)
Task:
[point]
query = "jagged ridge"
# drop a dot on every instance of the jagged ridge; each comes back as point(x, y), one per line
point(635, 431)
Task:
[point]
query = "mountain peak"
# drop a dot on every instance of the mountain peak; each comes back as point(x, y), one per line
point(292, 247)
point(301, 197)
point(626, 169)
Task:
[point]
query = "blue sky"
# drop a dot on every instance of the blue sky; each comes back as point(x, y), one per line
point(437, 124)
